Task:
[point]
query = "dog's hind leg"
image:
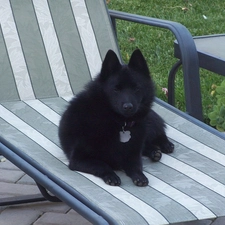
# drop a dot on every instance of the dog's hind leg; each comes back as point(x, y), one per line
point(164, 144)
point(153, 152)
point(153, 149)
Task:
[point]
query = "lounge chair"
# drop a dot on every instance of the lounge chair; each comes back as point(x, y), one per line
point(48, 51)
point(210, 49)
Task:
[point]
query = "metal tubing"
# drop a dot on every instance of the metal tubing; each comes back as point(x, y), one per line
point(21, 200)
point(171, 79)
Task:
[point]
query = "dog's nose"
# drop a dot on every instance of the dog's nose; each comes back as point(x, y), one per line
point(127, 106)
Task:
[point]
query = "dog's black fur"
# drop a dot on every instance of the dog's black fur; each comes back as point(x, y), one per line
point(119, 100)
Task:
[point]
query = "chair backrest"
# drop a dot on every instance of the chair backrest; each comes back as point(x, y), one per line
point(51, 48)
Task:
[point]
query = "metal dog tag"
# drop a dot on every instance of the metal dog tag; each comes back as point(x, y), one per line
point(125, 136)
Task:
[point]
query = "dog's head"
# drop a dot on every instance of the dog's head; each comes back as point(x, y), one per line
point(129, 88)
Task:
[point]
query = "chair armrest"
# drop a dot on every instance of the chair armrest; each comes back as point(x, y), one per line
point(189, 56)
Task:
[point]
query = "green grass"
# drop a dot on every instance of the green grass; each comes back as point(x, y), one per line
point(157, 44)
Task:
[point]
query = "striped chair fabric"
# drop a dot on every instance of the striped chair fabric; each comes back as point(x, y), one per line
point(48, 50)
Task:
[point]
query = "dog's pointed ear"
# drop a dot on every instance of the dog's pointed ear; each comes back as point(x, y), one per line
point(110, 65)
point(138, 63)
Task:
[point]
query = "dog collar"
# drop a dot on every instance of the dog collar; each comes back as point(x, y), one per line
point(129, 124)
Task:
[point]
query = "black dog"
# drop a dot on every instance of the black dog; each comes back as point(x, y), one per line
point(110, 124)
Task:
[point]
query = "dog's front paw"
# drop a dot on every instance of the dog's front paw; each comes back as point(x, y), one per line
point(140, 179)
point(112, 179)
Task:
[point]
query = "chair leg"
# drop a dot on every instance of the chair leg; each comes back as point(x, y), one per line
point(44, 196)
point(114, 24)
point(171, 79)
point(21, 200)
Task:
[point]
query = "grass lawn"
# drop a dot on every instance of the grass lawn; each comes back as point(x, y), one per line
point(201, 17)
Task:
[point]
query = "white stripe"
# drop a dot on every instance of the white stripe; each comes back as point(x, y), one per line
point(147, 212)
point(44, 111)
point(87, 36)
point(52, 48)
point(32, 134)
point(194, 174)
point(14, 49)
point(195, 145)
point(196, 208)
point(68, 98)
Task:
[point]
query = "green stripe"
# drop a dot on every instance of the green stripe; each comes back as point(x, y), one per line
point(34, 119)
point(70, 43)
point(58, 105)
point(8, 90)
point(33, 48)
point(102, 26)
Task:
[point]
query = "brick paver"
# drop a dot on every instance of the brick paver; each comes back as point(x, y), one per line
point(13, 189)
point(19, 215)
point(202, 222)
point(52, 218)
point(219, 221)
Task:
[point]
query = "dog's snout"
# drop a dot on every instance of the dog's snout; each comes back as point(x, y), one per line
point(127, 106)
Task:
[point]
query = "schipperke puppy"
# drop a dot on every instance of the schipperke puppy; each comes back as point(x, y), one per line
point(110, 124)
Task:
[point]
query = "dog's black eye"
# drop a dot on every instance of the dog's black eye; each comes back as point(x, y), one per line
point(116, 89)
point(137, 89)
